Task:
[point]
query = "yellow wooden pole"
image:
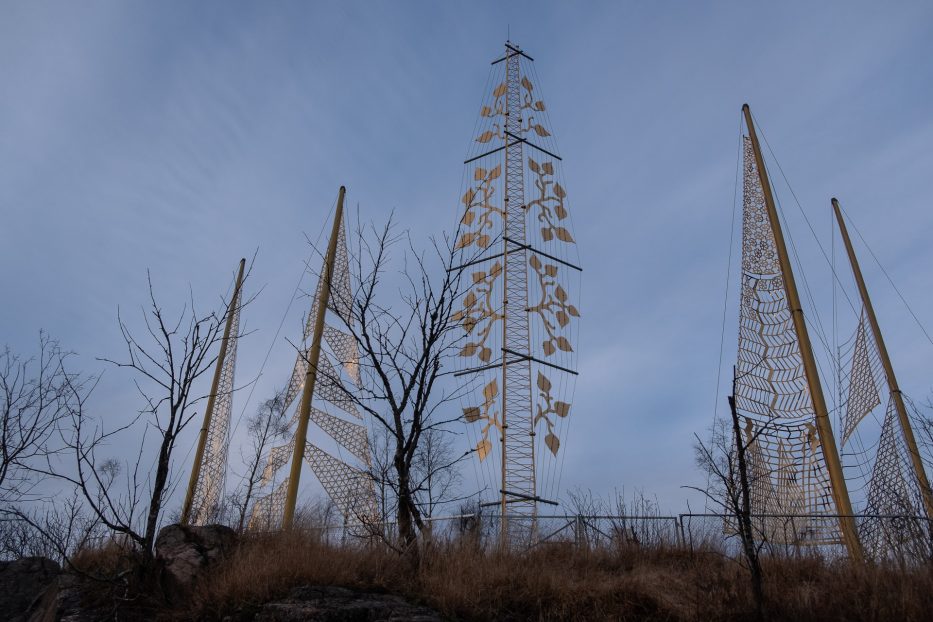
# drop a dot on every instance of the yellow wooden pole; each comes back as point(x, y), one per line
point(209, 410)
point(314, 356)
point(906, 428)
point(827, 440)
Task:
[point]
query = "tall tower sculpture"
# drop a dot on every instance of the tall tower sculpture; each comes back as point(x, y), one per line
point(793, 460)
point(206, 485)
point(519, 315)
point(315, 375)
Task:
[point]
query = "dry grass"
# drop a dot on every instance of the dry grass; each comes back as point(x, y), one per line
point(561, 583)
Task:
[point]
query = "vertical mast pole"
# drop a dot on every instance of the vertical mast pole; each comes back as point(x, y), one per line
point(503, 520)
point(518, 461)
point(827, 440)
point(209, 409)
point(908, 432)
point(314, 356)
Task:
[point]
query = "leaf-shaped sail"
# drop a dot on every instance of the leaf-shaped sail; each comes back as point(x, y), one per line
point(278, 457)
point(346, 349)
point(863, 392)
point(351, 436)
point(330, 388)
point(341, 296)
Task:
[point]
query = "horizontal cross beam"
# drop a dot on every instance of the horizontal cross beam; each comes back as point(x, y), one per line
point(515, 52)
point(542, 253)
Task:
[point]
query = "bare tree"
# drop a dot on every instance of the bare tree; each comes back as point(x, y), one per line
point(56, 530)
point(167, 362)
point(726, 462)
point(403, 354)
point(35, 397)
point(435, 483)
point(382, 449)
point(268, 425)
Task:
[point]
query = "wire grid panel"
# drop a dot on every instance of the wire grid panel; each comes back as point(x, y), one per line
point(892, 490)
point(350, 489)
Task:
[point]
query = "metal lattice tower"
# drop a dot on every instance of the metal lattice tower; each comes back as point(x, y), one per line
point(517, 314)
point(518, 472)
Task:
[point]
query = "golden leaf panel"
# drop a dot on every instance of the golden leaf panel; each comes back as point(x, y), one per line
point(549, 202)
point(480, 212)
point(548, 407)
point(499, 108)
point(479, 316)
point(487, 414)
point(553, 308)
point(772, 394)
point(209, 490)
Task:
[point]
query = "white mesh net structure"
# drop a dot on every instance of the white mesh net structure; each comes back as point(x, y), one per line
point(206, 504)
point(892, 523)
point(773, 399)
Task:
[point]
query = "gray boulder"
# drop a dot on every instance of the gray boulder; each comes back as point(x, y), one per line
point(185, 552)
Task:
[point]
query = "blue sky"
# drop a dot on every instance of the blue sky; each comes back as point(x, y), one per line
point(179, 137)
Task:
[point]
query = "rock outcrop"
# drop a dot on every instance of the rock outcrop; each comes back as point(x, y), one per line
point(337, 604)
point(22, 582)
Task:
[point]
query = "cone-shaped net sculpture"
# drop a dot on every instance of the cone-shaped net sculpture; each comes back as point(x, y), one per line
point(786, 465)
